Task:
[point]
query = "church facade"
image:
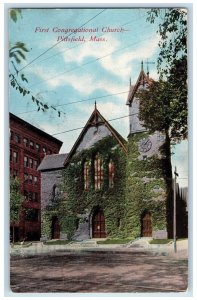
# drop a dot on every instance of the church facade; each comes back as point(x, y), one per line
point(107, 186)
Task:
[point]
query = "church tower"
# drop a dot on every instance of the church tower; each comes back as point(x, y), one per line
point(149, 185)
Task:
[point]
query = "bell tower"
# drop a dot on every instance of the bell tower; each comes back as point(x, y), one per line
point(148, 191)
point(142, 82)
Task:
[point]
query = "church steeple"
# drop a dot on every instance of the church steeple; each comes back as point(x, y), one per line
point(142, 66)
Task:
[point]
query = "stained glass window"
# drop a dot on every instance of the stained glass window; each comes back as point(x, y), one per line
point(111, 173)
point(86, 170)
point(98, 172)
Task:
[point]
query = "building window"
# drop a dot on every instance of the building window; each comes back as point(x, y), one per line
point(30, 178)
point(25, 177)
point(44, 149)
point(35, 197)
point(30, 196)
point(31, 144)
point(111, 173)
point(25, 161)
point(54, 191)
point(15, 157)
point(11, 135)
point(37, 147)
point(35, 180)
point(25, 142)
point(31, 214)
point(98, 172)
point(17, 138)
point(25, 195)
point(15, 173)
point(31, 163)
point(86, 171)
point(35, 164)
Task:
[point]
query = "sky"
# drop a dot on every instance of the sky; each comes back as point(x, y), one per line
point(82, 69)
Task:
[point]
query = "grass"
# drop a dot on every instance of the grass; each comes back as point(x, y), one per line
point(114, 241)
point(57, 242)
point(160, 241)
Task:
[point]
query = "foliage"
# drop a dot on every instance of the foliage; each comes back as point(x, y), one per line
point(147, 188)
point(14, 13)
point(173, 34)
point(78, 203)
point(163, 108)
point(16, 199)
point(17, 54)
point(164, 105)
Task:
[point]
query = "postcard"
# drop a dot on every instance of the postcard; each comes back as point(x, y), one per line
point(98, 115)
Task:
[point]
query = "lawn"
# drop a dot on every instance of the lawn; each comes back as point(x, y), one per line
point(114, 241)
point(160, 241)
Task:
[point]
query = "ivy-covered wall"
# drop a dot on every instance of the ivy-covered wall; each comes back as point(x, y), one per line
point(148, 188)
point(75, 205)
point(139, 186)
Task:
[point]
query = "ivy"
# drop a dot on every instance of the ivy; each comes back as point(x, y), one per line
point(148, 188)
point(79, 202)
point(139, 185)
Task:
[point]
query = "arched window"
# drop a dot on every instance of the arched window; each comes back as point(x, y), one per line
point(98, 172)
point(54, 191)
point(86, 178)
point(111, 173)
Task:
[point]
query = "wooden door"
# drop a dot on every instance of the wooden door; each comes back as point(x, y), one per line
point(55, 230)
point(98, 225)
point(146, 225)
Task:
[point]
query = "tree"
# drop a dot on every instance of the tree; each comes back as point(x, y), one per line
point(17, 54)
point(164, 105)
point(16, 200)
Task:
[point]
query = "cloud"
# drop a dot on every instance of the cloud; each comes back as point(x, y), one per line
point(117, 63)
point(84, 83)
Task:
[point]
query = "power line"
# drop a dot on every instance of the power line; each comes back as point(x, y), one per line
point(58, 43)
point(91, 61)
point(84, 126)
point(76, 46)
point(83, 100)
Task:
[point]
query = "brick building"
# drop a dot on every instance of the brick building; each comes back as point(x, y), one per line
point(28, 146)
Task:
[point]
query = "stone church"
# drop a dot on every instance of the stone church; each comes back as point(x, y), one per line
point(107, 186)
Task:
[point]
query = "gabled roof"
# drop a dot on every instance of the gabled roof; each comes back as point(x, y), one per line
point(142, 79)
point(53, 161)
point(97, 119)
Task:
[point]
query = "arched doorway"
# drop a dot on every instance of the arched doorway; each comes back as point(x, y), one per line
point(146, 224)
point(55, 228)
point(98, 224)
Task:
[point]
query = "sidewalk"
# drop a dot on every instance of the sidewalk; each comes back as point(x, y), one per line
point(141, 246)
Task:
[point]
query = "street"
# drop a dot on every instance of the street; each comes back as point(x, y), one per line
point(98, 272)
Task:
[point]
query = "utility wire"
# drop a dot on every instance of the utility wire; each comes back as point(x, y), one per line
point(83, 100)
point(84, 126)
point(58, 43)
point(91, 61)
point(76, 46)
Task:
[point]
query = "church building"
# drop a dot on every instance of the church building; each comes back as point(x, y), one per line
point(107, 186)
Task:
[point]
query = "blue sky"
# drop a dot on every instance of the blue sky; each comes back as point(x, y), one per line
point(73, 71)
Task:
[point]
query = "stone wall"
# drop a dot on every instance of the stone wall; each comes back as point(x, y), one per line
point(49, 179)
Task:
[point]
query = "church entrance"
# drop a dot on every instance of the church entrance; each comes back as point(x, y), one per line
point(55, 228)
point(98, 224)
point(146, 224)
